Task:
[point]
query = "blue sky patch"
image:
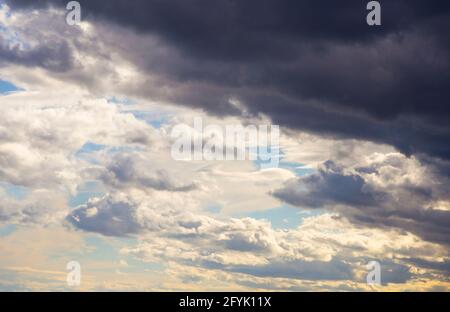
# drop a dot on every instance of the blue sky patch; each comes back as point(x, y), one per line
point(297, 168)
point(7, 87)
point(7, 229)
point(15, 191)
point(155, 119)
point(283, 217)
point(88, 190)
point(90, 147)
point(118, 100)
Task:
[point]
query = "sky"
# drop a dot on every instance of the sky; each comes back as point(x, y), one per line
point(87, 173)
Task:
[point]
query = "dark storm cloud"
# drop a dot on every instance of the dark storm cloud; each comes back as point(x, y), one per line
point(310, 65)
point(53, 56)
point(405, 206)
point(217, 28)
point(329, 186)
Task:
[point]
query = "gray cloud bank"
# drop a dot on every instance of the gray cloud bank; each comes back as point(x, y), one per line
point(310, 65)
point(359, 195)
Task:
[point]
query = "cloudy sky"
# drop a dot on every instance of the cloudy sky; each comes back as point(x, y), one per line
point(86, 171)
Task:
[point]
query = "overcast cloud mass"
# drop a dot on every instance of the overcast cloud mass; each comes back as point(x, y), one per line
point(87, 112)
